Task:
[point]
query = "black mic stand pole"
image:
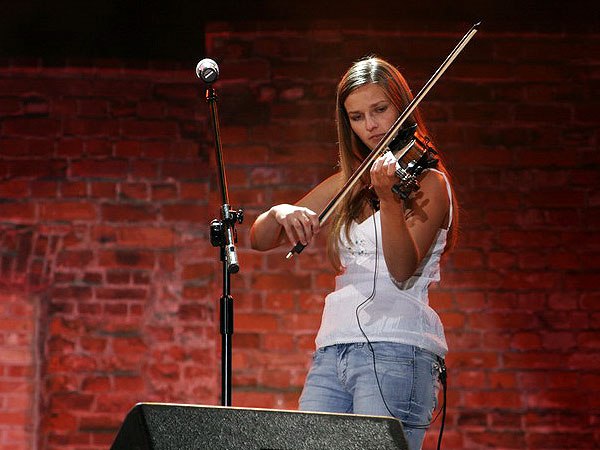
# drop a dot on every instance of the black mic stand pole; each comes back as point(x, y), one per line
point(224, 235)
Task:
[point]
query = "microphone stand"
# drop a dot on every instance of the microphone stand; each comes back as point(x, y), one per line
point(224, 236)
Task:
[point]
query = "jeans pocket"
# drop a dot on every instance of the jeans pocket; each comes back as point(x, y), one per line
point(391, 351)
point(318, 353)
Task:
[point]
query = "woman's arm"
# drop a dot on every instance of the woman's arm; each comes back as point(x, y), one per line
point(407, 234)
point(298, 222)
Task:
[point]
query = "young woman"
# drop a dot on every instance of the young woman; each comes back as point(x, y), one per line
point(380, 346)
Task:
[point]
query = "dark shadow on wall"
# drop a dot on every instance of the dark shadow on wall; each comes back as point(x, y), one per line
point(135, 29)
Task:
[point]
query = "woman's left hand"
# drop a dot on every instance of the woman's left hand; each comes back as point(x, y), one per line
point(383, 177)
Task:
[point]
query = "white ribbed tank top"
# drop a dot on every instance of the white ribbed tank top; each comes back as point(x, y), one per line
point(399, 312)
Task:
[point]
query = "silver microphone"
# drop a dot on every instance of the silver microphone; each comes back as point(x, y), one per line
point(207, 70)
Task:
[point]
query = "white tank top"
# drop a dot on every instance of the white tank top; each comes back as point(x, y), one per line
point(399, 312)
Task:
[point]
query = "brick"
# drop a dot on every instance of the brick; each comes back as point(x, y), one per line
point(467, 259)
point(281, 282)
point(144, 169)
point(73, 189)
point(256, 322)
point(254, 399)
point(156, 149)
point(129, 346)
point(120, 293)
point(589, 340)
point(18, 211)
point(472, 360)
point(245, 155)
point(301, 322)
point(96, 384)
point(26, 126)
point(44, 189)
point(468, 301)
point(13, 147)
point(141, 278)
point(472, 419)
point(165, 372)
point(67, 211)
point(71, 401)
point(530, 360)
point(14, 189)
point(93, 345)
point(145, 237)
point(147, 129)
point(572, 439)
point(479, 280)
point(470, 379)
point(560, 341)
point(99, 168)
point(31, 168)
point(164, 192)
point(198, 271)
point(186, 213)
point(285, 301)
point(129, 384)
point(191, 292)
point(122, 258)
point(114, 403)
point(494, 439)
point(194, 312)
point(125, 148)
point(279, 342)
point(74, 258)
point(184, 170)
point(529, 239)
point(128, 212)
point(526, 341)
point(187, 148)
point(103, 189)
point(198, 191)
point(453, 320)
point(91, 127)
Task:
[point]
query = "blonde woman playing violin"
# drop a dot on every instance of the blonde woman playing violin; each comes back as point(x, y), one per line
point(380, 347)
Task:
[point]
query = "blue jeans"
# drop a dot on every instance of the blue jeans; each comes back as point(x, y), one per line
point(342, 380)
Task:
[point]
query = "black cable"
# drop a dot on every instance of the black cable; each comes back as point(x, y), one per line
point(445, 388)
point(442, 375)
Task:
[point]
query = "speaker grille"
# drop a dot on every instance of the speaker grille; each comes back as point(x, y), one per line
point(176, 427)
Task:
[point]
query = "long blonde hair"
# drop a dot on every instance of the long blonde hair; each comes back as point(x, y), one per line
point(352, 150)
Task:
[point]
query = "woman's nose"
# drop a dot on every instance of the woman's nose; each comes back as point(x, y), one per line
point(370, 123)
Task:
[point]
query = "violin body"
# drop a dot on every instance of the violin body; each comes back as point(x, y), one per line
point(414, 156)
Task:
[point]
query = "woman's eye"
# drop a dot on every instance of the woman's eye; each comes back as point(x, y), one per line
point(381, 109)
point(355, 118)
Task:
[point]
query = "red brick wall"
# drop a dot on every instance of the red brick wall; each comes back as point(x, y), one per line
point(103, 224)
point(110, 286)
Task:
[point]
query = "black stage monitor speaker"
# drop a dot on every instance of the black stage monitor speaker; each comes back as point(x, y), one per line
point(162, 426)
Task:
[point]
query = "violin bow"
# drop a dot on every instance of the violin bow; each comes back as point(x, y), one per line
point(383, 145)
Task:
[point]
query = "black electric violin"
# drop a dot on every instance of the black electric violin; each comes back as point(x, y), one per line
point(414, 156)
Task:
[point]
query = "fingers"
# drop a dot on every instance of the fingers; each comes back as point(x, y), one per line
point(314, 220)
point(302, 228)
point(383, 176)
point(306, 225)
point(300, 224)
point(289, 233)
point(383, 167)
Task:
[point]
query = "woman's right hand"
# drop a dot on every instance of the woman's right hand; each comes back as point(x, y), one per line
point(300, 224)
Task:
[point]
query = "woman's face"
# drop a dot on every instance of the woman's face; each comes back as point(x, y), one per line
point(371, 113)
